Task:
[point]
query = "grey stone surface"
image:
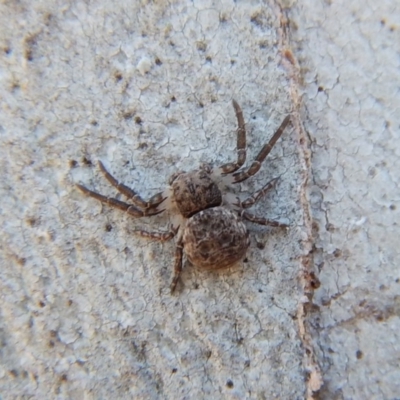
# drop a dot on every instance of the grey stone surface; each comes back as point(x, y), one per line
point(349, 61)
point(146, 88)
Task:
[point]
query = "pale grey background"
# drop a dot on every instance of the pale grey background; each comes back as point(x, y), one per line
point(147, 88)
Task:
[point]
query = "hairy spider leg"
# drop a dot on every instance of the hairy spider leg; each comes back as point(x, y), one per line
point(154, 201)
point(240, 145)
point(112, 202)
point(243, 175)
point(252, 200)
point(161, 236)
point(261, 221)
point(178, 263)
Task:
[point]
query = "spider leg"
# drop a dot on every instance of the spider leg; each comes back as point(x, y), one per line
point(249, 202)
point(241, 142)
point(110, 201)
point(178, 263)
point(154, 201)
point(161, 236)
point(243, 175)
point(261, 221)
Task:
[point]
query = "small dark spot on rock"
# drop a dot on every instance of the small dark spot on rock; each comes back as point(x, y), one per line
point(173, 99)
point(7, 50)
point(15, 86)
point(392, 207)
point(64, 378)
point(330, 227)
point(118, 76)
point(158, 61)
point(51, 344)
point(171, 43)
point(337, 253)
point(53, 333)
point(313, 280)
point(70, 303)
point(93, 123)
point(320, 89)
point(21, 261)
point(233, 62)
point(208, 59)
point(128, 114)
point(143, 146)
point(48, 18)
point(246, 260)
point(87, 162)
point(174, 370)
point(13, 373)
point(359, 354)
point(229, 384)
point(30, 43)
point(383, 22)
point(138, 120)
point(73, 163)
point(201, 105)
point(108, 228)
point(31, 221)
point(260, 245)
point(196, 286)
point(42, 304)
point(201, 46)
point(247, 364)
point(256, 18)
point(263, 44)
point(28, 54)
point(380, 318)
point(315, 227)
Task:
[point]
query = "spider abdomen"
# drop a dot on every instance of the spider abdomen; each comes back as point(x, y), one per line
point(215, 238)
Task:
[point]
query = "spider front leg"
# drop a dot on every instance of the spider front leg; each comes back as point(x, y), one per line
point(241, 142)
point(243, 175)
point(112, 202)
point(154, 201)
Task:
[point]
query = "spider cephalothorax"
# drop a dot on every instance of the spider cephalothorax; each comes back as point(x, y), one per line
point(195, 191)
point(209, 225)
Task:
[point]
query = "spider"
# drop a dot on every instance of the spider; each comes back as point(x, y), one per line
point(208, 224)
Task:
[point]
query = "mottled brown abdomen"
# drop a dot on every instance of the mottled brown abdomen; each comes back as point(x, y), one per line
point(215, 238)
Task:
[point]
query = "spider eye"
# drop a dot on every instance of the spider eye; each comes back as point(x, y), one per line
point(206, 167)
point(174, 176)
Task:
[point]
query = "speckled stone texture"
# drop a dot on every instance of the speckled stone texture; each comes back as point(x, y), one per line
point(146, 88)
point(349, 57)
point(86, 310)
